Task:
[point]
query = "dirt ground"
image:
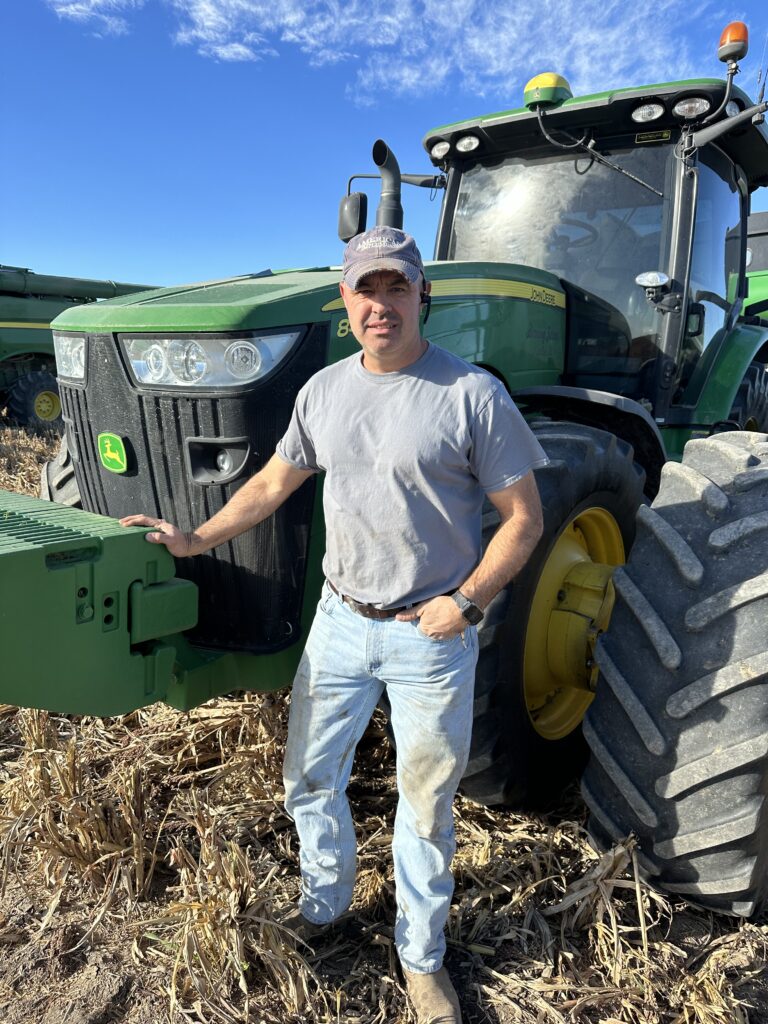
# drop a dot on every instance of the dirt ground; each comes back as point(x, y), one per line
point(146, 861)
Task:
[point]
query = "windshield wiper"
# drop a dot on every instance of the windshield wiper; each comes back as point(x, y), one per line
point(589, 148)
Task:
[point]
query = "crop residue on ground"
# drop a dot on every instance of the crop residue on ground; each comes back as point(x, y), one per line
point(146, 861)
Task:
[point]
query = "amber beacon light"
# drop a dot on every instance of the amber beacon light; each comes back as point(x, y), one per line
point(734, 42)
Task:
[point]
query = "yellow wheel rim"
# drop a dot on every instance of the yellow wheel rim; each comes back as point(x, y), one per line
point(47, 406)
point(571, 607)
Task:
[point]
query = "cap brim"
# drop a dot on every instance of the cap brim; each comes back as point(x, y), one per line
point(355, 274)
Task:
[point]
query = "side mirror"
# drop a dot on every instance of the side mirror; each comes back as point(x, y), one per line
point(694, 323)
point(353, 215)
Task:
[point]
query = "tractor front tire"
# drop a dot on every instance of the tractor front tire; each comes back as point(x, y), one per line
point(57, 481)
point(679, 727)
point(526, 740)
point(33, 401)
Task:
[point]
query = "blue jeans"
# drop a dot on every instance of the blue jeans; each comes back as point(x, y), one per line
point(347, 664)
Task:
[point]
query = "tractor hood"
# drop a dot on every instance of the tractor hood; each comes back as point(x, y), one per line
point(259, 300)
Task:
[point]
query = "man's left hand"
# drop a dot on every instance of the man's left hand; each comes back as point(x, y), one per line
point(439, 618)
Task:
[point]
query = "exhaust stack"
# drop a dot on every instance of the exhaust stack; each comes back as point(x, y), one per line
point(389, 212)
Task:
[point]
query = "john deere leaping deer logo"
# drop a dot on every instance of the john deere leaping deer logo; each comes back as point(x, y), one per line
point(112, 453)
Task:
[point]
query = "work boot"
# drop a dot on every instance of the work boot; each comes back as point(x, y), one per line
point(306, 930)
point(434, 997)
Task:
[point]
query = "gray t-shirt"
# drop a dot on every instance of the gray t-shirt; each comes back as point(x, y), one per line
point(408, 457)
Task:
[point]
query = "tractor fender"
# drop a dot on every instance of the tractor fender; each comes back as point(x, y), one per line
point(621, 416)
point(723, 365)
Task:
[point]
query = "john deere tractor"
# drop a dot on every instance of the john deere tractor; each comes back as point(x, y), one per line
point(591, 255)
point(28, 302)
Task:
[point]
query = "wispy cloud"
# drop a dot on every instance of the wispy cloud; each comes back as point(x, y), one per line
point(407, 47)
point(105, 16)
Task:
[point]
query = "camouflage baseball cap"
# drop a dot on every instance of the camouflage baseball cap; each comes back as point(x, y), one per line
point(381, 248)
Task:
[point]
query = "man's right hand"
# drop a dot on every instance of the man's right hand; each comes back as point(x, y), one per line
point(179, 544)
point(248, 506)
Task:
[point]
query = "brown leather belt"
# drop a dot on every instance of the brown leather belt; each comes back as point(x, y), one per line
point(368, 611)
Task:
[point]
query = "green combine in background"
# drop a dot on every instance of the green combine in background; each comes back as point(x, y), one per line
point(28, 302)
point(591, 254)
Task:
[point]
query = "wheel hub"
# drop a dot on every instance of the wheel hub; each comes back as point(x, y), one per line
point(572, 606)
point(47, 406)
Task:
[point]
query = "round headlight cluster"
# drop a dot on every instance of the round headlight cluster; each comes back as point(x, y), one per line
point(440, 149)
point(205, 361)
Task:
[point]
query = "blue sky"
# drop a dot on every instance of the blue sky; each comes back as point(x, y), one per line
point(163, 141)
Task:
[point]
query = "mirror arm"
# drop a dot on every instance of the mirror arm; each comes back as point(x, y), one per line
point(705, 135)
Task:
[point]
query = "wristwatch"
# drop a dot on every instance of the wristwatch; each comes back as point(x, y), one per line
point(470, 611)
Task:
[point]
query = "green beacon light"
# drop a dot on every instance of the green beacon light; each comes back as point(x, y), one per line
point(546, 90)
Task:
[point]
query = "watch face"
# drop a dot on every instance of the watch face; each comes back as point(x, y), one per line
point(472, 614)
point(470, 611)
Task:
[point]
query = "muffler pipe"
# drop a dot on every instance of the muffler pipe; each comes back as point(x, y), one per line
point(389, 212)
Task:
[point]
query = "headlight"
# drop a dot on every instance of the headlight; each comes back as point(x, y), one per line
point(206, 361)
point(693, 106)
point(467, 143)
point(647, 112)
point(69, 350)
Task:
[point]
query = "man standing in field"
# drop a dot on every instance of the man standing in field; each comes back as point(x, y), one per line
point(411, 439)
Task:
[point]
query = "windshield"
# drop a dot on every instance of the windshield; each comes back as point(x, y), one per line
point(580, 219)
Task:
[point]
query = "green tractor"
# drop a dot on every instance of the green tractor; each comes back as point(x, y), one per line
point(591, 254)
point(28, 302)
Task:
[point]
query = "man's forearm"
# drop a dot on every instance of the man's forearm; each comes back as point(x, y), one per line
point(510, 548)
point(254, 502)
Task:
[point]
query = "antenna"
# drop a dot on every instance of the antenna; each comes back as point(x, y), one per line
point(761, 72)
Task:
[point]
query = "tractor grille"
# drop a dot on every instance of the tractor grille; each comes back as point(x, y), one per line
point(251, 589)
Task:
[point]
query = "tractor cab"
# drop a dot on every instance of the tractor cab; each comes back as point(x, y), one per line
point(637, 200)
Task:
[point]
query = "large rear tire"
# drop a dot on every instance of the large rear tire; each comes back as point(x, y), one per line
point(57, 481)
point(33, 401)
point(534, 677)
point(679, 726)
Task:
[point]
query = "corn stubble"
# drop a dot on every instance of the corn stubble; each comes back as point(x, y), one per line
point(168, 829)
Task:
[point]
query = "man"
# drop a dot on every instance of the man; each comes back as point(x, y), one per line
point(411, 439)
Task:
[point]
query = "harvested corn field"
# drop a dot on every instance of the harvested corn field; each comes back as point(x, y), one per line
point(146, 862)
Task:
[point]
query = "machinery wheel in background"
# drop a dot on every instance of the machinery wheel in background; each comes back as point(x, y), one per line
point(33, 401)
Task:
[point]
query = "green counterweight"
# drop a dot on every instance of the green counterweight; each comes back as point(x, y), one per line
point(103, 599)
